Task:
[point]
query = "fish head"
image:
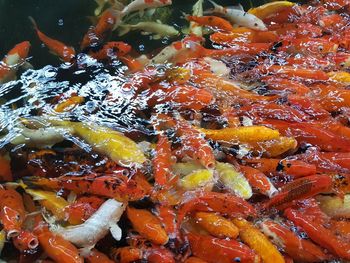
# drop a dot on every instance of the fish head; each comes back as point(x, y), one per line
point(258, 24)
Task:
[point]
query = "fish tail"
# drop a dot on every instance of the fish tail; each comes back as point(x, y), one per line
point(217, 7)
point(124, 29)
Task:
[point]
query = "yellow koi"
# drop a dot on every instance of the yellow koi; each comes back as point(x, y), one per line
point(51, 201)
point(200, 178)
point(243, 134)
point(234, 180)
point(257, 241)
point(265, 10)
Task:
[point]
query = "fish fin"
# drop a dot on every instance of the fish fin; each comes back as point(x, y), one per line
point(197, 9)
point(85, 251)
point(35, 26)
point(116, 231)
point(124, 29)
point(156, 37)
point(118, 15)
point(145, 33)
point(117, 5)
point(100, 5)
point(237, 7)
point(184, 15)
point(141, 12)
point(150, 12)
point(217, 7)
point(26, 65)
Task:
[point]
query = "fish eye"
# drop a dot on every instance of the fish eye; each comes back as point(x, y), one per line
point(342, 65)
point(320, 48)
point(256, 24)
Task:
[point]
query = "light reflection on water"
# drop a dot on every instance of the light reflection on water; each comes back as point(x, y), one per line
point(106, 102)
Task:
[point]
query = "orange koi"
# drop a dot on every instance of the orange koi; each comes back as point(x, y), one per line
point(56, 247)
point(116, 185)
point(106, 23)
point(319, 234)
point(215, 250)
point(312, 133)
point(226, 204)
point(291, 167)
point(292, 72)
point(215, 22)
point(25, 241)
point(64, 52)
point(297, 248)
point(311, 46)
point(162, 161)
point(111, 50)
point(185, 95)
point(192, 140)
point(245, 35)
point(12, 213)
point(258, 181)
point(286, 85)
point(301, 188)
point(148, 225)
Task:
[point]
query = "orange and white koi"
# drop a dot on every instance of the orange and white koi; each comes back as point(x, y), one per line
point(64, 52)
point(14, 58)
point(238, 16)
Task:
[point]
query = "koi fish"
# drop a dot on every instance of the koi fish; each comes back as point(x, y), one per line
point(64, 52)
point(109, 21)
point(238, 16)
point(141, 5)
point(215, 22)
point(111, 50)
point(160, 30)
point(14, 58)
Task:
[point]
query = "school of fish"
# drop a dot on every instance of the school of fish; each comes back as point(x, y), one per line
point(248, 158)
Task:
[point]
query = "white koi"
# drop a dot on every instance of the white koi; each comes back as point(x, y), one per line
point(141, 5)
point(157, 28)
point(238, 16)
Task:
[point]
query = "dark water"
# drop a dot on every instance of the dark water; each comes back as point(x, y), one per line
point(65, 20)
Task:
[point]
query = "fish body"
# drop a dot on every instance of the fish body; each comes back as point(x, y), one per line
point(159, 29)
point(239, 17)
point(97, 226)
point(118, 147)
point(141, 5)
point(14, 58)
point(109, 20)
point(64, 52)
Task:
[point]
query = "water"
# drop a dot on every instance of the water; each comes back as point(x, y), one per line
point(36, 88)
